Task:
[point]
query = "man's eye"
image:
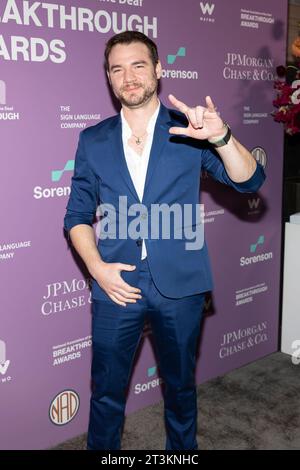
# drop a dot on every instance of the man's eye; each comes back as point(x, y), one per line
point(140, 66)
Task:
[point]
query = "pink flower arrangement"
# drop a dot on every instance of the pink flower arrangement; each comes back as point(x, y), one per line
point(287, 86)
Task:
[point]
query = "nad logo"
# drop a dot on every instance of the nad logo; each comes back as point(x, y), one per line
point(64, 407)
point(172, 58)
point(260, 241)
point(151, 371)
point(2, 92)
point(4, 363)
point(57, 174)
point(207, 8)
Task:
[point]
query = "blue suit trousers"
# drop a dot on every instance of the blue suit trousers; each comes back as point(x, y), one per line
point(116, 332)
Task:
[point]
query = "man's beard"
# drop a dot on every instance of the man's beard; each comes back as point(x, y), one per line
point(137, 99)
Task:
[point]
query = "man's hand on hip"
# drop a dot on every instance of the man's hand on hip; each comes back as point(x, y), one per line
point(108, 276)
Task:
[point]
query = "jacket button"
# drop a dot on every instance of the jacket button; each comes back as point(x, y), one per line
point(139, 242)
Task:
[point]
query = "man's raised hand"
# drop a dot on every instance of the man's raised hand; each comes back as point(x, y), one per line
point(204, 122)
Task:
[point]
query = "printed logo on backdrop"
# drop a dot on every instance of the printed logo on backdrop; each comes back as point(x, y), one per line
point(260, 155)
point(4, 363)
point(2, 92)
point(64, 296)
point(239, 66)
point(57, 174)
point(52, 192)
point(211, 216)
point(70, 351)
point(255, 19)
point(207, 10)
point(259, 256)
point(70, 120)
point(8, 250)
point(252, 117)
point(55, 17)
point(131, 3)
point(64, 407)
point(243, 339)
point(178, 56)
point(254, 205)
point(248, 294)
point(150, 384)
point(7, 112)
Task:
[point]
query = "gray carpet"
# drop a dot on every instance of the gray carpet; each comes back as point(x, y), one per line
point(254, 407)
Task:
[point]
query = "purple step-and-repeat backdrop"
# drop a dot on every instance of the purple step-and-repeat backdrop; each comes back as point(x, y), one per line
point(53, 85)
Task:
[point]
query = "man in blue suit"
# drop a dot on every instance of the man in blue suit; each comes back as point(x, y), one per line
point(147, 156)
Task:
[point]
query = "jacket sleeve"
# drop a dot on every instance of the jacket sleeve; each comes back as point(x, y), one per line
point(215, 167)
point(83, 198)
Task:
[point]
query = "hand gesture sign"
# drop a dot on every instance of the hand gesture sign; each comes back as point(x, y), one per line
point(204, 123)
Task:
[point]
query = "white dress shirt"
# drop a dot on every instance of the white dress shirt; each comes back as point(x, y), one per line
point(138, 164)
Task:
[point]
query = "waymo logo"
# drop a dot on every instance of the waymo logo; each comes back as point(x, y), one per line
point(245, 261)
point(2, 92)
point(253, 203)
point(172, 57)
point(57, 174)
point(207, 8)
point(260, 241)
point(4, 363)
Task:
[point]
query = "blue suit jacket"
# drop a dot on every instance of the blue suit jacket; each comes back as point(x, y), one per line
point(173, 176)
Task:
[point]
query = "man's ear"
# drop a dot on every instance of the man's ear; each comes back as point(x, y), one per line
point(158, 70)
point(108, 76)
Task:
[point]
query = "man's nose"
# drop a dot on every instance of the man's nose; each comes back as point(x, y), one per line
point(128, 76)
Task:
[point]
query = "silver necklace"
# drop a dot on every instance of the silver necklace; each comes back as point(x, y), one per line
point(138, 140)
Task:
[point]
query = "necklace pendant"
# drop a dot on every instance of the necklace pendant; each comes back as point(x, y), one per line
point(138, 141)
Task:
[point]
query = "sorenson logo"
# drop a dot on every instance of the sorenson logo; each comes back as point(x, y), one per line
point(145, 387)
point(53, 192)
point(260, 241)
point(172, 57)
point(151, 371)
point(257, 258)
point(64, 407)
point(175, 73)
point(57, 174)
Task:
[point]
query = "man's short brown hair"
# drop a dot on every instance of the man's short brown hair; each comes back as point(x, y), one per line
point(127, 37)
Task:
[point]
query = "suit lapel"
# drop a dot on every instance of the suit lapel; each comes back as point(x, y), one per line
point(160, 138)
point(116, 144)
